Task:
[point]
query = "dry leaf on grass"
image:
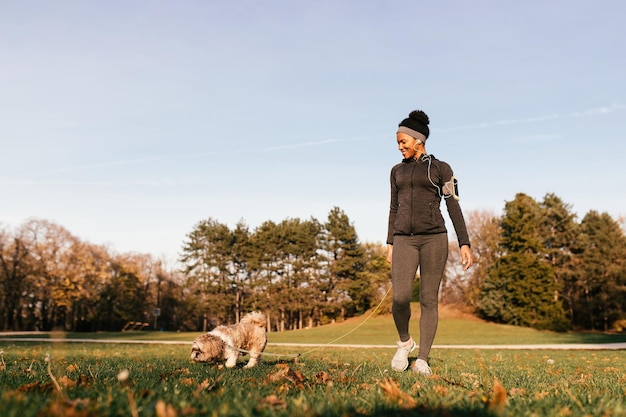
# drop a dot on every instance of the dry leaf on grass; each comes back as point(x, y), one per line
point(517, 392)
point(36, 387)
point(187, 381)
point(207, 386)
point(322, 377)
point(285, 372)
point(66, 382)
point(396, 395)
point(66, 408)
point(164, 410)
point(274, 402)
point(441, 390)
point(72, 368)
point(498, 397)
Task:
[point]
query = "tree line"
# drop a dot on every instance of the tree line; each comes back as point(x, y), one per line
point(536, 266)
point(299, 272)
point(548, 271)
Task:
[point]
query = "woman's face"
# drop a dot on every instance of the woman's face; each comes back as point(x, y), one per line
point(407, 145)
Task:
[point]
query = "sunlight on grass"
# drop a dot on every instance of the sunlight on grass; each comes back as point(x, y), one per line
point(148, 380)
point(61, 377)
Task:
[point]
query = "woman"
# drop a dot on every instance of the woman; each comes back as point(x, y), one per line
point(417, 236)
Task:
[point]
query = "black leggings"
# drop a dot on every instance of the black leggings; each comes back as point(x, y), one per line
point(430, 253)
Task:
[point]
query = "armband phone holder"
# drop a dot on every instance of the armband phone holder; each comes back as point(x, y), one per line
point(451, 188)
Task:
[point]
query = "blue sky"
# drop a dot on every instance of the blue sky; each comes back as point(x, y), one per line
point(127, 123)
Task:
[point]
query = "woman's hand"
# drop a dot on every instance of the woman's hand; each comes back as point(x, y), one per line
point(389, 252)
point(466, 256)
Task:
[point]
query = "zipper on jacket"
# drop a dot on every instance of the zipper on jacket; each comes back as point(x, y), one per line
point(411, 206)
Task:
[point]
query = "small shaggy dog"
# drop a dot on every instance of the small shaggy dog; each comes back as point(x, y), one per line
point(228, 342)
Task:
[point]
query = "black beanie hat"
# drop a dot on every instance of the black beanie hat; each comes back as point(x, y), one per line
point(417, 122)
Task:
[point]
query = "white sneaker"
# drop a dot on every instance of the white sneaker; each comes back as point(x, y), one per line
point(421, 367)
point(400, 360)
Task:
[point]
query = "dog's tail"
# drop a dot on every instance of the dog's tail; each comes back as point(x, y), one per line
point(257, 318)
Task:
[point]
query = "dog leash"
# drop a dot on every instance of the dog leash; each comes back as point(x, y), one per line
point(297, 355)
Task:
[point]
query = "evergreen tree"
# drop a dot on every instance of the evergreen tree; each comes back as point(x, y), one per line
point(377, 272)
point(519, 287)
point(206, 256)
point(299, 253)
point(559, 230)
point(347, 263)
point(240, 272)
point(123, 299)
point(265, 267)
point(285, 264)
point(600, 288)
point(15, 272)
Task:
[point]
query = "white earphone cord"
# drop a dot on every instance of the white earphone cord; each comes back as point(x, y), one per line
point(427, 156)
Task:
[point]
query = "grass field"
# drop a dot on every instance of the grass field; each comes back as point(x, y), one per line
point(80, 379)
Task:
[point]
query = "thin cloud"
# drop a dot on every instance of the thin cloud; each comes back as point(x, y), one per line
point(309, 144)
point(98, 165)
point(186, 156)
point(601, 110)
point(4, 181)
point(590, 112)
point(537, 139)
point(121, 162)
point(133, 183)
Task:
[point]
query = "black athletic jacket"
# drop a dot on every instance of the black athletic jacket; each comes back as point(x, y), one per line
point(416, 203)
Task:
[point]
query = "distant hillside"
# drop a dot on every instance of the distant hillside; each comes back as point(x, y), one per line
point(456, 327)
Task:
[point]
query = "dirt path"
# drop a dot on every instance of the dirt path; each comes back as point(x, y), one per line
point(564, 346)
